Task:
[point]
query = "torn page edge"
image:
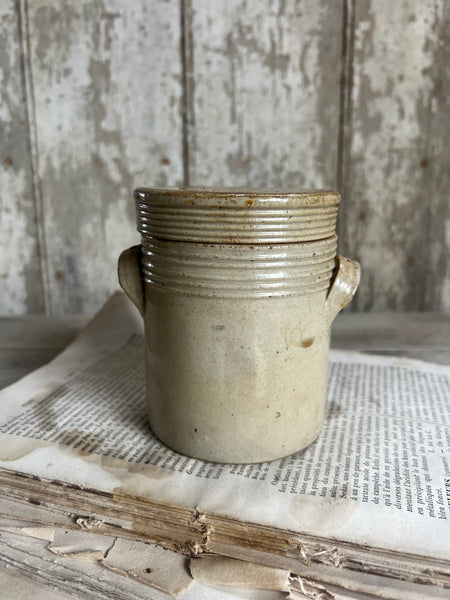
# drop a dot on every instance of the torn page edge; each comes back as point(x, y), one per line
point(214, 570)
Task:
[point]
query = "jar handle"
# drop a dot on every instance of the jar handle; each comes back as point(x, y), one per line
point(130, 277)
point(343, 286)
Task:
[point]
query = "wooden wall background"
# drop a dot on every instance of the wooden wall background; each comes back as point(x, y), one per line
point(100, 97)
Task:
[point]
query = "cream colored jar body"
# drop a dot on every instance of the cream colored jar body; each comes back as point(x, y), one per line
point(249, 382)
point(237, 339)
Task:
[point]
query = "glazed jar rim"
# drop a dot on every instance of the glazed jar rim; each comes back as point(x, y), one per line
point(235, 197)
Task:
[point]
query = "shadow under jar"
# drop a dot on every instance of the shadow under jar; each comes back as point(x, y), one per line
point(238, 289)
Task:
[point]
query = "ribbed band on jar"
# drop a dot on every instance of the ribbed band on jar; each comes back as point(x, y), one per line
point(238, 271)
point(236, 216)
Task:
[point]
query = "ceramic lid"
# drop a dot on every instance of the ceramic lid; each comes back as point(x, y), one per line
point(237, 196)
point(236, 215)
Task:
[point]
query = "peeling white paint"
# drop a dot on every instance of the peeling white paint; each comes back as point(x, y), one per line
point(263, 84)
point(107, 90)
point(20, 275)
point(262, 109)
point(393, 83)
point(445, 293)
point(18, 248)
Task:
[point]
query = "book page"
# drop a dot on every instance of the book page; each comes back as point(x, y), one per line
point(378, 474)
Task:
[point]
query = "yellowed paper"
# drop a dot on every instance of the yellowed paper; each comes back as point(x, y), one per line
point(149, 563)
point(237, 573)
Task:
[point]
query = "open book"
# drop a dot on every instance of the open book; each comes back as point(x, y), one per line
point(372, 494)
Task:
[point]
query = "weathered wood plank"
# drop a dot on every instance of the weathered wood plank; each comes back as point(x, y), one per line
point(15, 585)
point(30, 341)
point(107, 87)
point(261, 107)
point(17, 363)
point(437, 290)
point(39, 332)
point(425, 336)
point(20, 269)
point(262, 92)
point(395, 177)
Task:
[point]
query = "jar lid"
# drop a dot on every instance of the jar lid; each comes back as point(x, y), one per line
point(236, 215)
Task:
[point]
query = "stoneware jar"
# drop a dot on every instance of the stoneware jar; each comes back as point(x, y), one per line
point(238, 289)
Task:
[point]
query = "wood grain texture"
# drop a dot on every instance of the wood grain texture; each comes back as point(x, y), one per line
point(98, 98)
point(20, 267)
point(437, 295)
point(15, 585)
point(395, 176)
point(107, 86)
point(262, 92)
point(30, 341)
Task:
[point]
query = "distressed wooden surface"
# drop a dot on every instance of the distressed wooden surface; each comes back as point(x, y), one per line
point(98, 98)
point(20, 267)
point(15, 586)
point(396, 176)
point(29, 342)
point(107, 88)
point(262, 92)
